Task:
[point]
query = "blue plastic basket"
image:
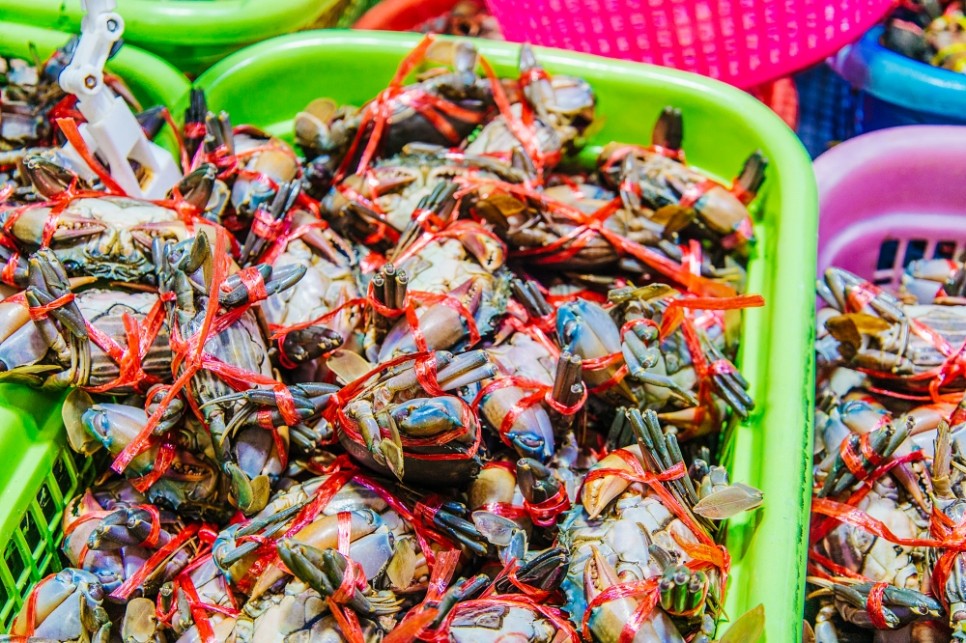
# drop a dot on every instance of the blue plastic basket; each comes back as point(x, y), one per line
point(896, 90)
point(826, 109)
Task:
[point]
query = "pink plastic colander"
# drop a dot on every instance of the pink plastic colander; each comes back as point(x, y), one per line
point(890, 197)
point(742, 42)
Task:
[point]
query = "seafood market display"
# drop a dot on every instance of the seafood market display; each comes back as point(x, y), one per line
point(887, 533)
point(933, 31)
point(421, 376)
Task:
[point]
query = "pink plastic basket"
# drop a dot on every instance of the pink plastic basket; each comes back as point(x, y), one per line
point(890, 197)
point(742, 42)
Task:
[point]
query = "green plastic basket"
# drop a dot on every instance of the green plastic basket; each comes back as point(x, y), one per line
point(190, 34)
point(41, 473)
point(771, 450)
point(723, 125)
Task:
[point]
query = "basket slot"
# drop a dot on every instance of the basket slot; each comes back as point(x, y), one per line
point(945, 250)
point(896, 254)
point(33, 550)
point(10, 596)
point(915, 250)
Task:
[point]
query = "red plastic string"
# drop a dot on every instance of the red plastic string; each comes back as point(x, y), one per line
point(832, 566)
point(124, 591)
point(857, 462)
point(707, 551)
point(695, 191)
point(30, 610)
point(544, 514)
point(419, 617)
point(873, 605)
point(375, 116)
point(525, 135)
point(254, 283)
point(674, 314)
point(591, 224)
point(130, 360)
point(821, 528)
point(506, 510)
point(39, 313)
point(69, 127)
point(855, 517)
point(353, 579)
point(162, 461)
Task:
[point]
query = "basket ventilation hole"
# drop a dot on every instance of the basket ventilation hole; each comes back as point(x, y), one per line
point(15, 561)
point(915, 250)
point(5, 594)
point(887, 254)
point(63, 474)
point(45, 501)
point(945, 250)
point(31, 530)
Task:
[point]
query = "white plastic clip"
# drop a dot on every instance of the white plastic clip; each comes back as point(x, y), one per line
point(112, 131)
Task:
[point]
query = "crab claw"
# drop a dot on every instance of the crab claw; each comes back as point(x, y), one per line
point(306, 344)
point(48, 282)
point(607, 621)
point(839, 287)
point(538, 91)
point(189, 255)
point(587, 330)
point(151, 120)
point(263, 406)
point(528, 444)
point(883, 441)
point(250, 494)
point(67, 607)
point(597, 493)
point(537, 482)
point(545, 571)
point(197, 187)
point(261, 233)
point(751, 177)
point(669, 129)
point(236, 291)
point(79, 436)
point(325, 572)
point(900, 606)
point(123, 527)
point(442, 326)
point(683, 591)
point(48, 178)
point(140, 621)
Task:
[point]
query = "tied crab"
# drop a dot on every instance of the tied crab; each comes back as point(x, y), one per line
point(637, 521)
point(682, 372)
point(390, 545)
point(392, 423)
point(104, 236)
point(403, 387)
point(112, 531)
point(646, 201)
point(441, 108)
point(885, 544)
point(189, 483)
point(250, 444)
point(55, 338)
point(911, 347)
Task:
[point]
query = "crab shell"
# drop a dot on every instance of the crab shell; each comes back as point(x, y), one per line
point(108, 237)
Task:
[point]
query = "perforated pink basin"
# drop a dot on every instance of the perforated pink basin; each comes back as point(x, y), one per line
point(742, 42)
point(892, 196)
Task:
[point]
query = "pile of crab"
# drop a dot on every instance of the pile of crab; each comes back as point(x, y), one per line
point(423, 379)
point(931, 31)
point(888, 532)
